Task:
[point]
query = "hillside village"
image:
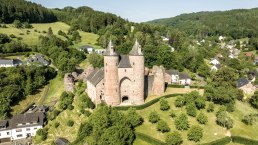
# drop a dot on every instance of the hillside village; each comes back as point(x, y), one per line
point(105, 80)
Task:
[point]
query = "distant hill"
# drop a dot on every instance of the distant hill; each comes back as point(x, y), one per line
point(237, 23)
point(11, 10)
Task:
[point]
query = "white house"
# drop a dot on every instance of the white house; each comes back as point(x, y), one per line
point(7, 63)
point(88, 48)
point(184, 79)
point(215, 67)
point(165, 39)
point(221, 38)
point(176, 77)
point(21, 126)
point(100, 51)
point(214, 61)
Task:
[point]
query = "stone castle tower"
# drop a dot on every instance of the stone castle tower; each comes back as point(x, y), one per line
point(124, 76)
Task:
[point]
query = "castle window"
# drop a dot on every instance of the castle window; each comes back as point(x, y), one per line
point(133, 63)
point(106, 70)
point(125, 70)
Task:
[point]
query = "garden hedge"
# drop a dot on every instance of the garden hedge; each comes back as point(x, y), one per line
point(148, 139)
point(182, 86)
point(245, 141)
point(147, 104)
point(222, 141)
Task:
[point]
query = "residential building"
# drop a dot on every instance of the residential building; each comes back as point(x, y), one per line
point(100, 51)
point(246, 85)
point(21, 126)
point(215, 67)
point(87, 48)
point(176, 77)
point(62, 141)
point(38, 59)
point(214, 61)
point(7, 63)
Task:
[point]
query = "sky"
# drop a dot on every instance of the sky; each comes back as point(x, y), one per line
point(145, 10)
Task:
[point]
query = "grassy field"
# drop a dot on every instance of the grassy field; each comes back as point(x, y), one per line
point(211, 131)
point(31, 38)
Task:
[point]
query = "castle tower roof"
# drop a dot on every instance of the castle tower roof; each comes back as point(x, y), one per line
point(136, 50)
point(110, 50)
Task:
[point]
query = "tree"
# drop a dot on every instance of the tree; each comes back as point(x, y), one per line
point(70, 123)
point(164, 104)
point(254, 101)
point(50, 31)
point(191, 109)
point(154, 117)
point(174, 138)
point(181, 122)
point(96, 60)
point(225, 77)
point(42, 133)
point(211, 107)
point(172, 114)
point(162, 126)
point(17, 24)
point(180, 101)
point(202, 118)
point(200, 103)
point(195, 133)
point(224, 120)
point(134, 118)
point(249, 119)
point(204, 70)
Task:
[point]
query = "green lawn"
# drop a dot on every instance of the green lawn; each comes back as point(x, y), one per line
point(211, 131)
point(32, 37)
point(140, 142)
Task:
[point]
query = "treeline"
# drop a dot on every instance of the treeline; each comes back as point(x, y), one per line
point(18, 82)
point(85, 18)
point(235, 23)
point(24, 11)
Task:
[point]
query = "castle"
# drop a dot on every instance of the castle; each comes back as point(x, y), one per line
point(123, 79)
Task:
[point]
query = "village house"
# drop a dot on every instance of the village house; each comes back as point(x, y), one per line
point(215, 67)
point(233, 53)
point(176, 77)
point(246, 85)
point(87, 48)
point(21, 126)
point(100, 51)
point(214, 61)
point(7, 63)
point(38, 59)
point(165, 39)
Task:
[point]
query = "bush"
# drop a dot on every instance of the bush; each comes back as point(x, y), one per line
point(242, 140)
point(154, 117)
point(87, 113)
point(191, 109)
point(70, 123)
point(12, 36)
point(70, 107)
point(191, 97)
point(85, 130)
point(200, 103)
point(224, 120)
point(21, 33)
point(42, 133)
point(202, 118)
point(56, 124)
point(195, 133)
point(44, 31)
point(211, 107)
point(180, 101)
point(230, 107)
point(134, 118)
point(249, 119)
point(164, 104)
point(174, 138)
point(172, 114)
point(181, 122)
point(254, 101)
point(162, 126)
point(54, 114)
point(66, 100)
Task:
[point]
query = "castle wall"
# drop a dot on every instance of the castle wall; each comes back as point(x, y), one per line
point(111, 81)
point(91, 91)
point(158, 87)
point(125, 76)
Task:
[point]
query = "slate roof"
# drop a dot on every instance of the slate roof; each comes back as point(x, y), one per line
point(172, 72)
point(6, 61)
point(124, 62)
point(61, 141)
point(242, 82)
point(110, 50)
point(218, 66)
point(96, 76)
point(38, 118)
point(183, 76)
point(136, 50)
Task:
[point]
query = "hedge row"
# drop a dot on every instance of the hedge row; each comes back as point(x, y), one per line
point(182, 86)
point(148, 139)
point(143, 106)
point(245, 141)
point(222, 141)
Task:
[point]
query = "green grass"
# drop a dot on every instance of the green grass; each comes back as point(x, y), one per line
point(32, 37)
point(211, 131)
point(140, 142)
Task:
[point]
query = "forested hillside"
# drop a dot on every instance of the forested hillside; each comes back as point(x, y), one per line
point(236, 23)
point(24, 11)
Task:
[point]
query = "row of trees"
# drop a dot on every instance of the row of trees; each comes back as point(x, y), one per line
point(7, 45)
point(16, 83)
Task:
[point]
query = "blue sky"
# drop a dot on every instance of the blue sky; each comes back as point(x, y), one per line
point(144, 10)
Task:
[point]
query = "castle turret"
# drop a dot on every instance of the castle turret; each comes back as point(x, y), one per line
point(111, 85)
point(137, 62)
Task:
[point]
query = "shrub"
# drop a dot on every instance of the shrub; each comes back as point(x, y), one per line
point(66, 100)
point(200, 103)
point(12, 36)
point(87, 113)
point(164, 104)
point(54, 114)
point(56, 124)
point(191, 97)
point(211, 107)
point(70, 107)
point(202, 118)
point(174, 138)
point(70, 123)
point(42, 133)
point(162, 126)
point(19, 38)
point(224, 120)
point(195, 133)
point(85, 130)
point(154, 117)
point(230, 107)
point(181, 122)
point(254, 101)
point(21, 33)
point(44, 31)
point(191, 109)
point(134, 118)
point(172, 114)
point(180, 102)
point(249, 119)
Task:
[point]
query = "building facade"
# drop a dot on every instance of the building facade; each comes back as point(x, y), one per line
point(122, 79)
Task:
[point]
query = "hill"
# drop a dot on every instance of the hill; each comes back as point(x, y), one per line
point(237, 23)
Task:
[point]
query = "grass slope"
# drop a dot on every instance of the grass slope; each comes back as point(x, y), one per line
point(211, 131)
point(32, 37)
